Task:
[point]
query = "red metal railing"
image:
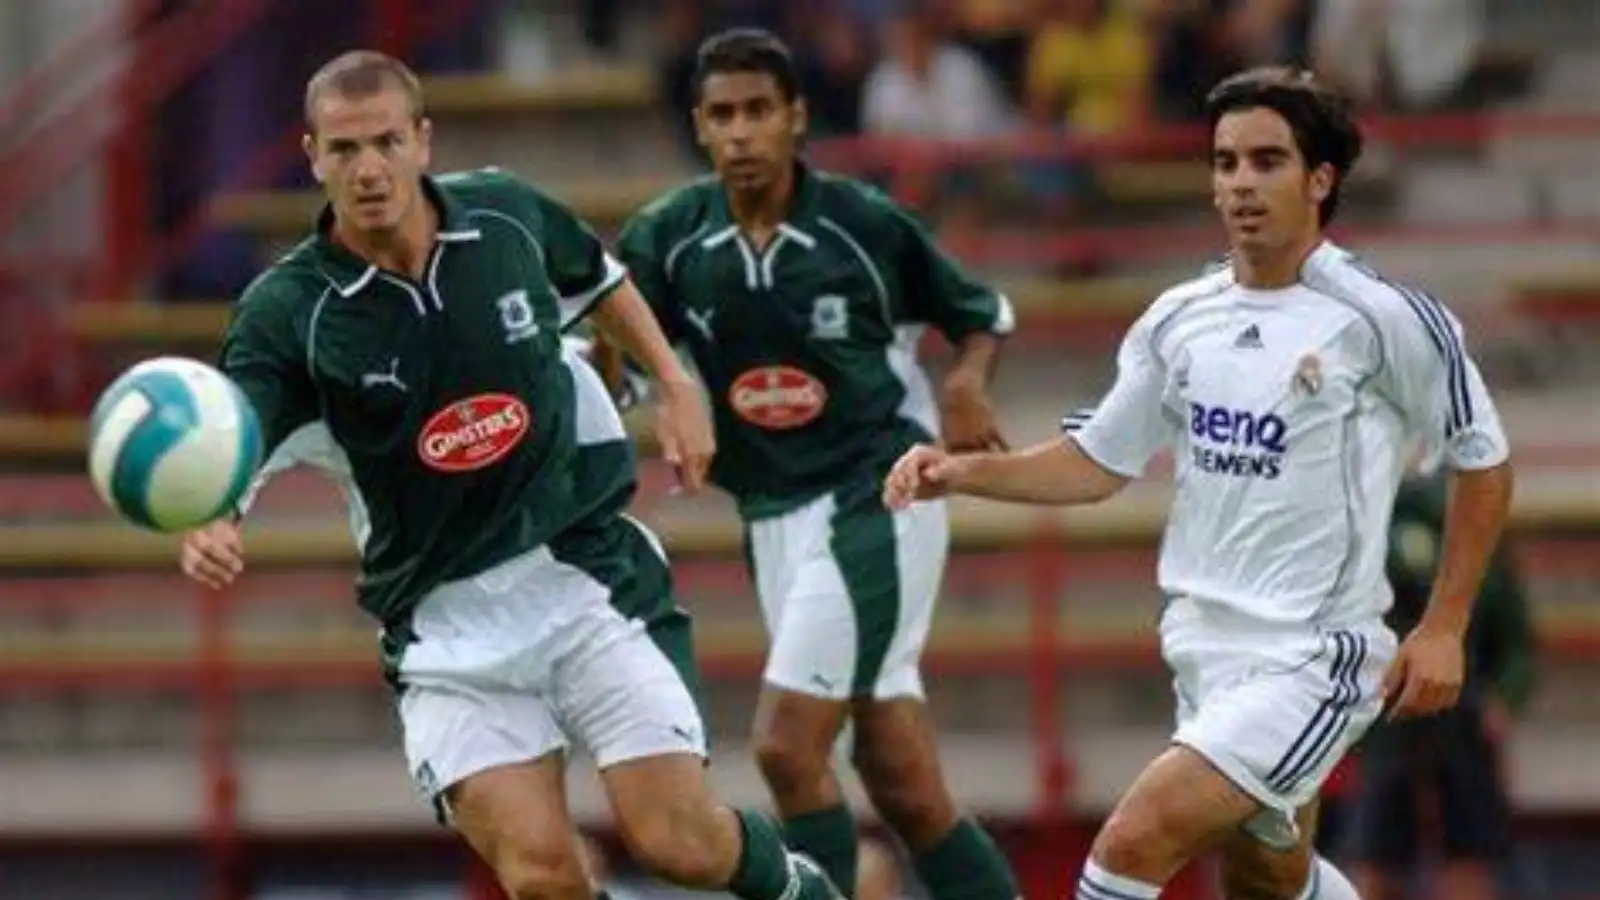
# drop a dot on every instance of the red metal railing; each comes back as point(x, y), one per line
point(1048, 566)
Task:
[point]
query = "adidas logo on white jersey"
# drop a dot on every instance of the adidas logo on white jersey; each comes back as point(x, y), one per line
point(1249, 339)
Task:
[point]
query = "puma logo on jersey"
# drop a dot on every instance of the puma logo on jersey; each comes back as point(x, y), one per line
point(701, 320)
point(390, 378)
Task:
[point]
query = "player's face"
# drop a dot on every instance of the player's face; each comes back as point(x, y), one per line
point(748, 128)
point(1260, 184)
point(369, 154)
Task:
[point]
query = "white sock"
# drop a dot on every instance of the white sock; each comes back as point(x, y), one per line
point(1097, 884)
point(1328, 883)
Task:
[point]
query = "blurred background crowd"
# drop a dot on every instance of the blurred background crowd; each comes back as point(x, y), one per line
point(157, 742)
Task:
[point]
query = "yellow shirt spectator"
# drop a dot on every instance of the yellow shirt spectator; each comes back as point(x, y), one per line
point(1091, 69)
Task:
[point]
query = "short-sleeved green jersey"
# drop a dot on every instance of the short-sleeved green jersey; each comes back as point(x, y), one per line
point(807, 346)
point(469, 439)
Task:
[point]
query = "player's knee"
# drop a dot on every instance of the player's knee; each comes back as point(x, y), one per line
point(907, 793)
point(684, 845)
point(789, 766)
point(1135, 844)
point(542, 873)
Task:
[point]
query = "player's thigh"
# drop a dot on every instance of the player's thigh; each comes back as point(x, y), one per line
point(1251, 870)
point(1474, 814)
point(454, 731)
point(848, 590)
point(516, 818)
point(1278, 723)
point(670, 819)
point(1180, 806)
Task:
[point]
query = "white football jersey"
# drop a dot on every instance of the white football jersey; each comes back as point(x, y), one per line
point(1290, 414)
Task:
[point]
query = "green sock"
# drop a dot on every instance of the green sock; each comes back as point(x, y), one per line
point(966, 865)
point(768, 871)
point(829, 837)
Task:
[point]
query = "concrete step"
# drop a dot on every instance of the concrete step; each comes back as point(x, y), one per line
point(329, 791)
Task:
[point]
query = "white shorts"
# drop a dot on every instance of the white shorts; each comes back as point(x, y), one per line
point(510, 665)
point(1273, 706)
point(848, 591)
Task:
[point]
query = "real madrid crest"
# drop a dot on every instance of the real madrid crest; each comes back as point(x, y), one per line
point(1308, 374)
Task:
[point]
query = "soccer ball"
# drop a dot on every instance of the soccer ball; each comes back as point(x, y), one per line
point(173, 444)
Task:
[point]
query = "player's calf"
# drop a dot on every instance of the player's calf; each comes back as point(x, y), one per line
point(897, 757)
point(1320, 880)
point(676, 829)
point(1251, 870)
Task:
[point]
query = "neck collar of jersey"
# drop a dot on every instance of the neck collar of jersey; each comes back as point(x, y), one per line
point(800, 205)
point(1321, 257)
point(350, 272)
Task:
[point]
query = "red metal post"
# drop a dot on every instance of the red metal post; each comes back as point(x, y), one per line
point(394, 26)
point(1047, 586)
point(127, 209)
point(216, 694)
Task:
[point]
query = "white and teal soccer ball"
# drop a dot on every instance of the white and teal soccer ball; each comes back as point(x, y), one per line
point(173, 444)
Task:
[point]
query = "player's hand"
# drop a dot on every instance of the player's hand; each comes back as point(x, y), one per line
point(1427, 673)
point(969, 417)
point(925, 472)
point(683, 427)
point(213, 555)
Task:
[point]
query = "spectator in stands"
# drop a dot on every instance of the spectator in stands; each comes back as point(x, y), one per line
point(1451, 761)
point(928, 86)
point(833, 59)
point(1408, 54)
point(1090, 67)
point(1000, 33)
point(1202, 41)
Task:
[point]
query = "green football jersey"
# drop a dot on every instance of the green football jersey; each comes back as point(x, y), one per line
point(807, 346)
point(469, 439)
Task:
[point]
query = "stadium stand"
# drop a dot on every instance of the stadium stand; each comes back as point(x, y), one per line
point(242, 745)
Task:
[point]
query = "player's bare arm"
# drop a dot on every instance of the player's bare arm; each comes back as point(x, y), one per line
point(1053, 473)
point(682, 425)
point(1431, 666)
point(970, 422)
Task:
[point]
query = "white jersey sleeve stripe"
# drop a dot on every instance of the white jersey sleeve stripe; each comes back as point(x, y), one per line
point(1448, 343)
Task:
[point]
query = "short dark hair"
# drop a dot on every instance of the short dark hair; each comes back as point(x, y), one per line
point(747, 50)
point(362, 73)
point(1323, 121)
